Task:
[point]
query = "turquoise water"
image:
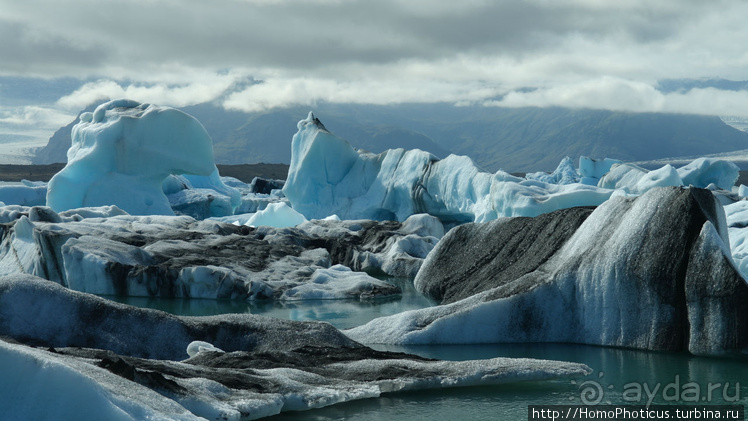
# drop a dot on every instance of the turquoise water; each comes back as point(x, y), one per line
point(342, 314)
point(620, 377)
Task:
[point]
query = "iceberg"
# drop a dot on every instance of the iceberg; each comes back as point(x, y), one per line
point(278, 215)
point(99, 359)
point(201, 196)
point(701, 172)
point(113, 253)
point(565, 173)
point(26, 194)
point(327, 176)
point(592, 170)
point(121, 154)
point(652, 272)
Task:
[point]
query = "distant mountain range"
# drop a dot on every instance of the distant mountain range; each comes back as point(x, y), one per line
point(513, 139)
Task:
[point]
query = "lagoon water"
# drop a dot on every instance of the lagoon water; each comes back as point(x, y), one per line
point(621, 376)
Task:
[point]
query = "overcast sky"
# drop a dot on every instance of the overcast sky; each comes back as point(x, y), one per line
point(58, 56)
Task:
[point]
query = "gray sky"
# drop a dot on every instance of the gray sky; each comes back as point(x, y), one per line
point(258, 54)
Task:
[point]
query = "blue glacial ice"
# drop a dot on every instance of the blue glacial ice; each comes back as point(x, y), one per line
point(328, 176)
point(121, 154)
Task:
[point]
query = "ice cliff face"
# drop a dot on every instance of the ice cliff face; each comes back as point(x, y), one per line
point(123, 151)
point(652, 272)
point(102, 360)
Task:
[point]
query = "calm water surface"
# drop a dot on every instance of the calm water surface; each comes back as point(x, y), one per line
point(620, 376)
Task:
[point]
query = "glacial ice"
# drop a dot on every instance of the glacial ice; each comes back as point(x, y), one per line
point(565, 173)
point(26, 194)
point(177, 256)
point(196, 347)
point(201, 196)
point(338, 282)
point(121, 154)
point(702, 172)
point(41, 385)
point(106, 360)
point(278, 215)
point(327, 176)
point(592, 170)
point(627, 274)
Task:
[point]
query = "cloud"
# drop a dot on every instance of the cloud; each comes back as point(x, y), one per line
point(584, 53)
point(606, 93)
point(205, 89)
point(35, 117)
point(283, 92)
point(131, 39)
point(625, 95)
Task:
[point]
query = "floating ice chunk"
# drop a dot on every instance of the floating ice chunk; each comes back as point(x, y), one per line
point(637, 180)
point(196, 347)
point(662, 177)
point(623, 274)
point(339, 282)
point(278, 215)
point(622, 176)
point(704, 171)
point(327, 176)
point(737, 223)
point(700, 173)
point(202, 197)
point(122, 153)
point(423, 225)
point(565, 173)
point(92, 212)
point(201, 203)
point(23, 195)
point(592, 170)
point(532, 198)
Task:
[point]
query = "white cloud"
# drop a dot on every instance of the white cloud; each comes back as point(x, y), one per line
point(606, 93)
point(625, 95)
point(582, 53)
point(282, 92)
point(35, 117)
point(708, 101)
point(204, 90)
